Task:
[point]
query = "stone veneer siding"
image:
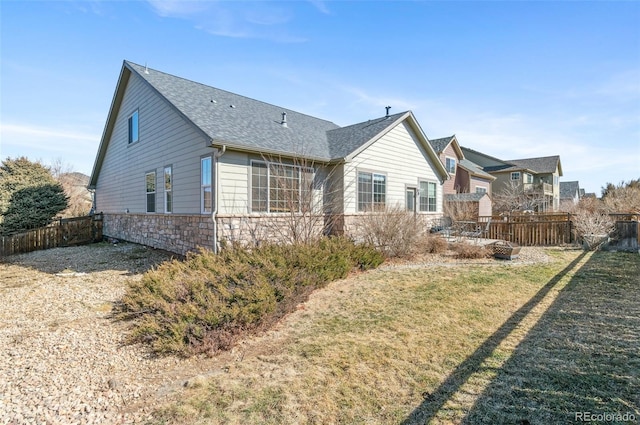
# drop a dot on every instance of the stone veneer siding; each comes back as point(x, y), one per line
point(353, 223)
point(174, 233)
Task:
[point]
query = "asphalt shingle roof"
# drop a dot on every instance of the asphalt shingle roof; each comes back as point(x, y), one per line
point(540, 165)
point(439, 145)
point(569, 189)
point(245, 123)
point(464, 197)
point(475, 169)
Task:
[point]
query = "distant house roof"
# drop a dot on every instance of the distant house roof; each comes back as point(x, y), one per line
point(569, 190)
point(439, 145)
point(245, 124)
point(475, 169)
point(465, 197)
point(540, 165)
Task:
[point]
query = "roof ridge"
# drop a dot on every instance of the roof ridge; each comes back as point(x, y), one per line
point(227, 91)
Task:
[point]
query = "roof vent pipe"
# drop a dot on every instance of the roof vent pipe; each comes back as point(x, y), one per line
point(387, 108)
point(284, 119)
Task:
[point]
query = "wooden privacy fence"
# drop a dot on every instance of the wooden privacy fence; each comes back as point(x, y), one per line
point(532, 233)
point(62, 232)
point(555, 229)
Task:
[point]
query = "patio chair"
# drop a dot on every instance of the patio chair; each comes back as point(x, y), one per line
point(443, 226)
point(479, 231)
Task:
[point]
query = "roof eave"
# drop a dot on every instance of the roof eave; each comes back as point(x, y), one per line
point(123, 79)
point(442, 172)
point(269, 152)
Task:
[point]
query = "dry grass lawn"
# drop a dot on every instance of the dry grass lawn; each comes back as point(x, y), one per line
point(440, 344)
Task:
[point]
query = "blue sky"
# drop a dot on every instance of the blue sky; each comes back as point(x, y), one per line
point(512, 79)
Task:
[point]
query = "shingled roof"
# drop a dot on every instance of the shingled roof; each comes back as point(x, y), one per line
point(439, 145)
point(465, 197)
point(475, 169)
point(246, 124)
point(540, 165)
point(569, 190)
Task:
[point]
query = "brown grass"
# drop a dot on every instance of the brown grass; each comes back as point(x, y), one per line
point(471, 344)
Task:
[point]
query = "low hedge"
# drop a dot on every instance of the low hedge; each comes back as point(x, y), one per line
point(205, 303)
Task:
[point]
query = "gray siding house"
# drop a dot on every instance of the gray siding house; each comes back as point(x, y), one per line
point(538, 177)
point(182, 165)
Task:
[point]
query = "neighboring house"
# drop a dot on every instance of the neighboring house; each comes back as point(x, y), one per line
point(570, 194)
point(181, 165)
point(537, 178)
point(465, 177)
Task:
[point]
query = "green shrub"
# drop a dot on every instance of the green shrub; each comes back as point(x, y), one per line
point(206, 302)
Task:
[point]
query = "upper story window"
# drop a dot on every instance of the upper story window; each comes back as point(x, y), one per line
point(428, 199)
point(480, 189)
point(450, 165)
point(206, 198)
point(372, 191)
point(528, 178)
point(277, 187)
point(515, 175)
point(168, 189)
point(555, 180)
point(150, 179)
point(133, 127)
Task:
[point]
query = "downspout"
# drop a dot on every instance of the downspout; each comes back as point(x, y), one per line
point(215, 196)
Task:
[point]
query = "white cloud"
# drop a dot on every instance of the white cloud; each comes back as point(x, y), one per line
point(321, 6)
point(258, 20)
point(48, 144)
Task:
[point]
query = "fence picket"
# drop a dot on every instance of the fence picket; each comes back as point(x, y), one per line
point(62, 232)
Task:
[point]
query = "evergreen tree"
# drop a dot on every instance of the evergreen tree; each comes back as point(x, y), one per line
point(29, 195)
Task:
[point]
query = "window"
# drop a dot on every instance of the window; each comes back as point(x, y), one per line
point(150, 179)
point(528, 178)
point(555, 180)
point(515, 175)
point(133, 127)
point(372, 191)
point(427, 202)
point(279, 187)
point(480, 189)
point(206, 201)
point(411, 199)
point(450, 165)
point(168, 189)
point(259, 187)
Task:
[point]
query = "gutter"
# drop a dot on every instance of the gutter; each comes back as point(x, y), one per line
point(217, 156)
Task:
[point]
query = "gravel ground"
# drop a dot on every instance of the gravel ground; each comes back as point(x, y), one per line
point(62, 358)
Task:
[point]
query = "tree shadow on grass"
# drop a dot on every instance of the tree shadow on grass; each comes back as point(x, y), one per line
point(581, 358)
point(437, 399)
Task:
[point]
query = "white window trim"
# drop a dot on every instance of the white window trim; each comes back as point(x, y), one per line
point(130, 138)
point(269, 165)
point(427, 196)
point(514, 174)
point(170, 191)
point(455, 164)
point(154, 193)
point(209, 208)
point(373, 203)
point(484, 189)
